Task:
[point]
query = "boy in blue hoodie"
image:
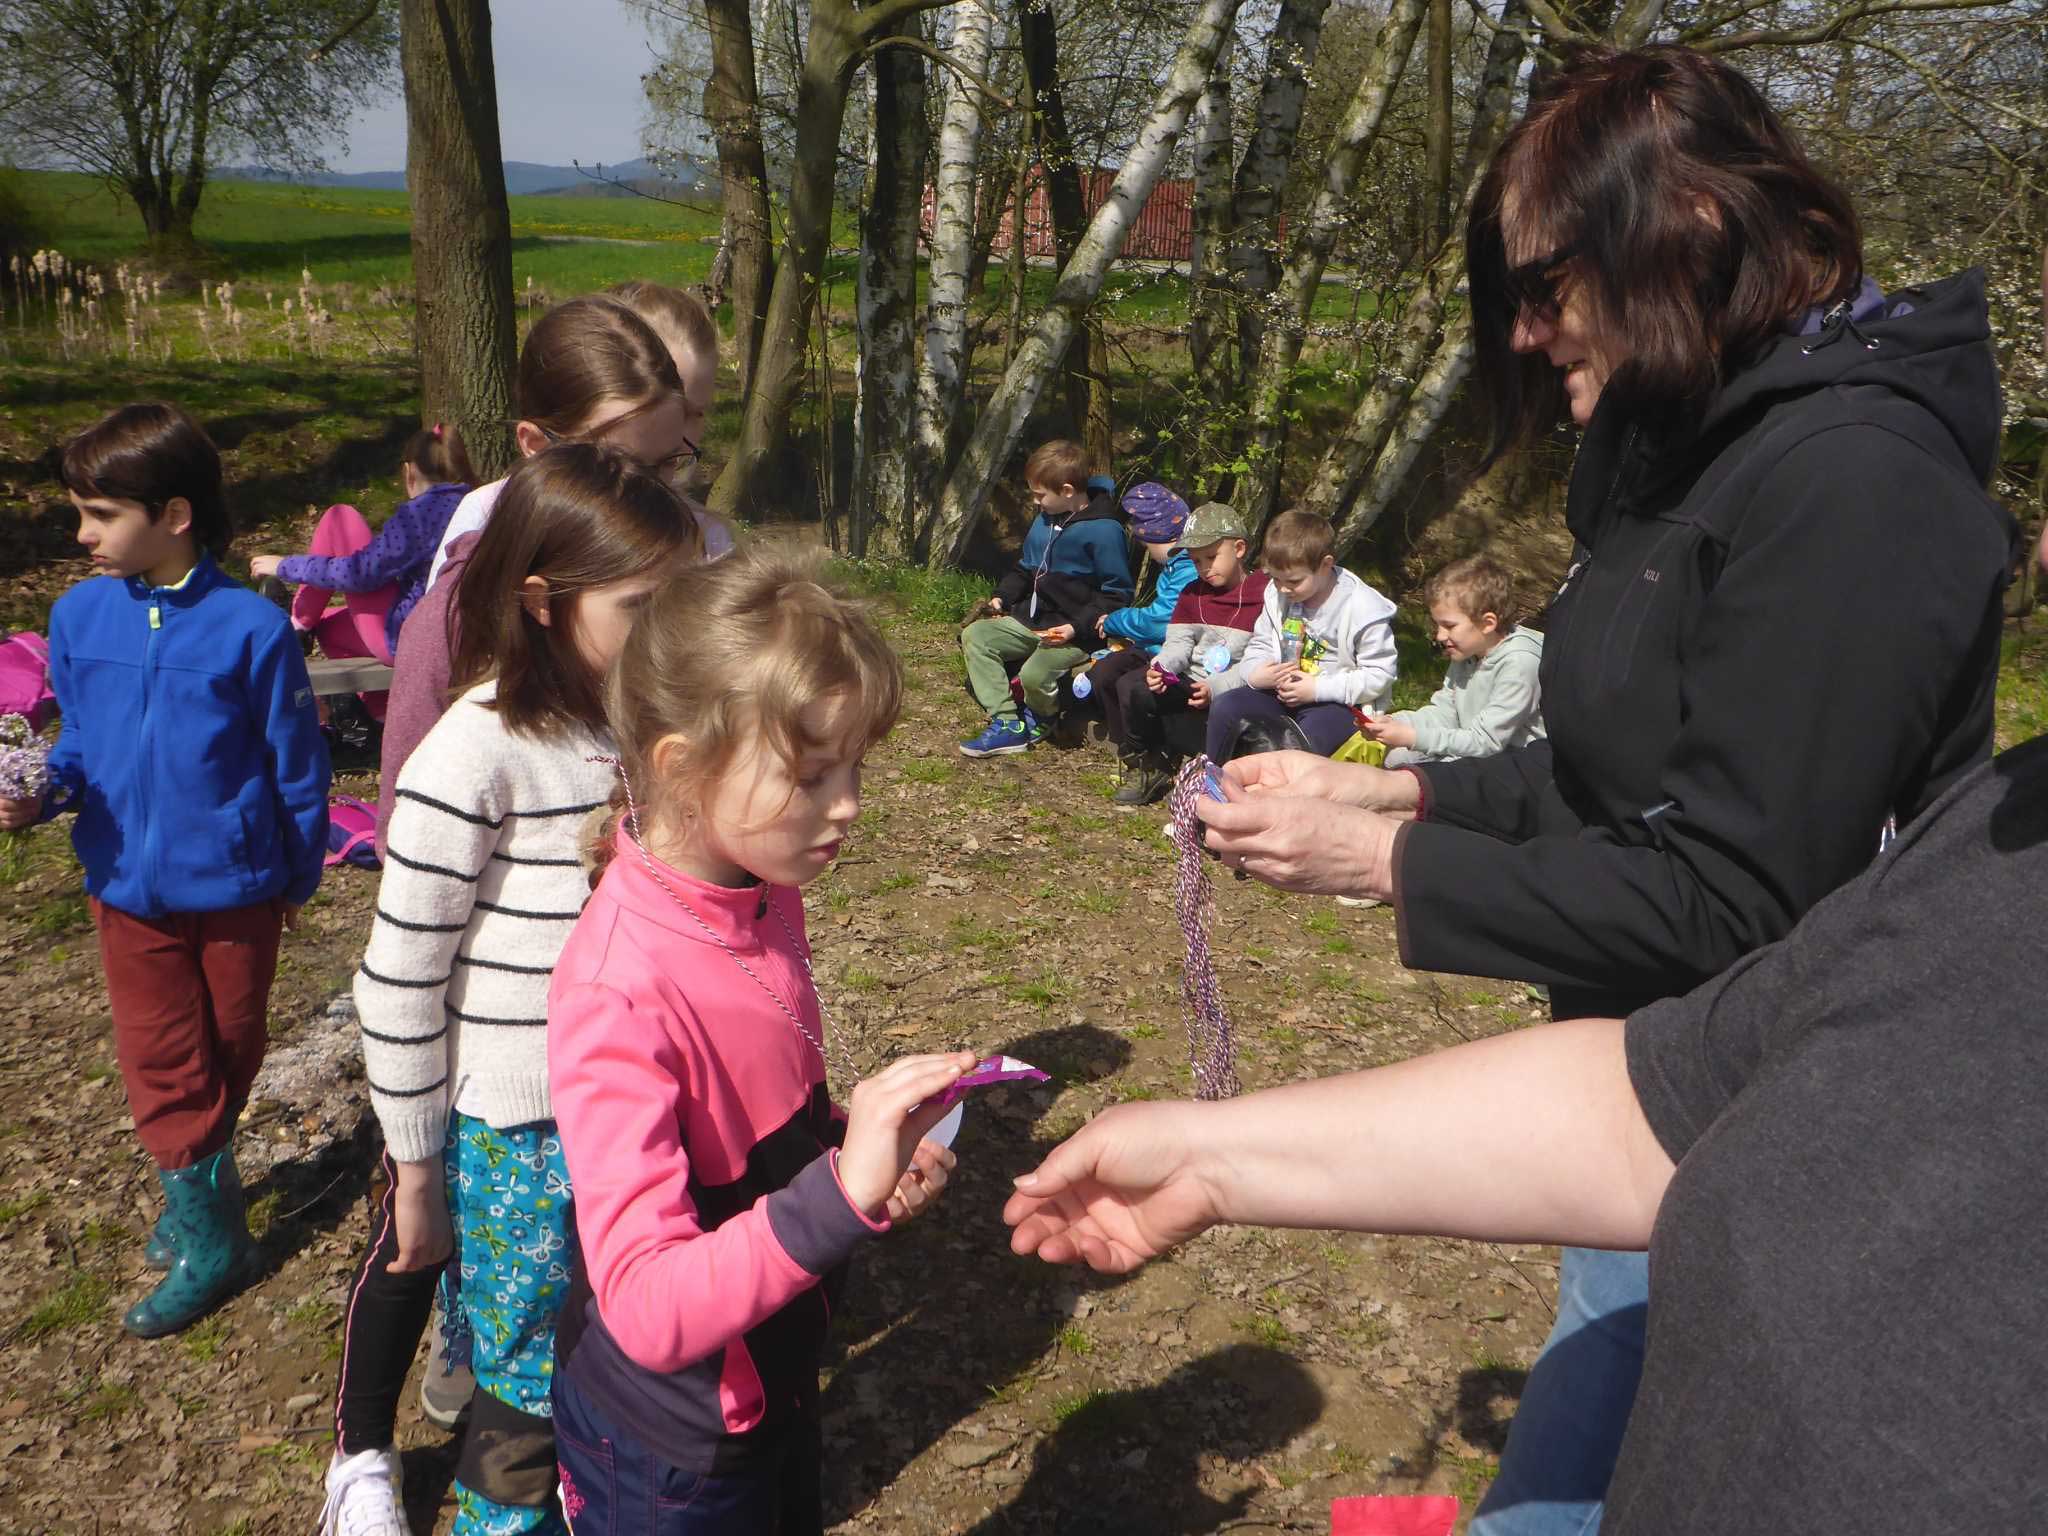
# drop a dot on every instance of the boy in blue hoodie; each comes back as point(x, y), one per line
point(1072, 570)
point(191, 752)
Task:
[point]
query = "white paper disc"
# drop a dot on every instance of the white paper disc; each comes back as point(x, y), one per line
point(944, 1132)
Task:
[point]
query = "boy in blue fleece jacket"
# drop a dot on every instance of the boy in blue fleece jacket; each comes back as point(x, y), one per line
point(1072, 570)
point(191, 752)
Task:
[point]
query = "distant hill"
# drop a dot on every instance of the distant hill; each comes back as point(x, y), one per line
point(522, 178)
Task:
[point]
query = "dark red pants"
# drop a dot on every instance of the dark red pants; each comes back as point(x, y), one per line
point(191, 1002)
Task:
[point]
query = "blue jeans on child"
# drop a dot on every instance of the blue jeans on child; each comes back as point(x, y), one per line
point(508, 1202)
point(612, 1485)
point(1574, 1410)
point(1327, 726)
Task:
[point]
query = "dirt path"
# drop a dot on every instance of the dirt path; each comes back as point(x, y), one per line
point(1239, 1385)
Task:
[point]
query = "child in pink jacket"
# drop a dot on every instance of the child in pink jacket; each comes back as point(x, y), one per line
point(719, 1193)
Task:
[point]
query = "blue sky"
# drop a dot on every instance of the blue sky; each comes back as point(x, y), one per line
point(567, 90)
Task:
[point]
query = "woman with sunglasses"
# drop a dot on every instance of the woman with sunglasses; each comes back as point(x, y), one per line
point(1777, 638)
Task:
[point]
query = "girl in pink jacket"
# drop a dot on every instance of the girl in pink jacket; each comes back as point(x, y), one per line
point(719, 1192)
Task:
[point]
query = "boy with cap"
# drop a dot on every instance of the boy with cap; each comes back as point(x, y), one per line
point(1165, 708)
point(1072, 570)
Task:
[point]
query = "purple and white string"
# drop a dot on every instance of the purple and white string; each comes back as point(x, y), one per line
point(1211, 1046)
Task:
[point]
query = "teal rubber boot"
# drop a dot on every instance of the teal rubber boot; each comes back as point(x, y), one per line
point(160, 1254)
point(203, 1218)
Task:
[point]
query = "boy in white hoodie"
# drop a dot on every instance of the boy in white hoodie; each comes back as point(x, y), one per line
point(1491, 699)
point(1324, 643)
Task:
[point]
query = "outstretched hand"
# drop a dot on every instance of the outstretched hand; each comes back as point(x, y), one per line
point(1119, 1192)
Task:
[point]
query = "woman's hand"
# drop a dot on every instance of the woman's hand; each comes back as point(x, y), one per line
point(1385, 728)
point(419, 1206)
point(1267, 674)
point(1306, 775)
point(1120, 1191)
point(1296, 689)
point(884, 1124)
point(1302, 844)
point(922, 1182)
point(264, 565)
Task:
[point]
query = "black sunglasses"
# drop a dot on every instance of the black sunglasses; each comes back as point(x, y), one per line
point(1532, 287)
point(666, 469)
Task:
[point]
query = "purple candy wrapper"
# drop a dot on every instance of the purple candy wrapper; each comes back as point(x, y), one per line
point(996, 1069)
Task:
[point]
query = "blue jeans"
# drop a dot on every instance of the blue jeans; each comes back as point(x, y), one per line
point(1574, 1410)
point(612, 1485)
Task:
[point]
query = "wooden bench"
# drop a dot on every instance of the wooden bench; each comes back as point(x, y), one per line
point(349, 674)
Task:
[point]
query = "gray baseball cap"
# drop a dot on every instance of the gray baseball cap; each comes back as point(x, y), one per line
point(1210, 523)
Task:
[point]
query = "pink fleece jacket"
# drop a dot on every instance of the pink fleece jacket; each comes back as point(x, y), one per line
point(701, 1145)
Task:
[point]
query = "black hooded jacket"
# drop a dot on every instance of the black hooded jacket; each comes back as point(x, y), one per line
point(1770, 641)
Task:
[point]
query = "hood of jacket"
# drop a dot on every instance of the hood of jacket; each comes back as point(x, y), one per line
point(1929, 345)
point(1520, 641)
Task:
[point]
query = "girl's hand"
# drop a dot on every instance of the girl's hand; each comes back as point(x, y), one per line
point(1395, 733)
point(1122, 1190)
point(884, 1124)
point(264, 565)
point(1266, 675)
point(922, 1182)
point(1296, 689)
point(419, 1205)
point(1198, 694)
point(16, 814)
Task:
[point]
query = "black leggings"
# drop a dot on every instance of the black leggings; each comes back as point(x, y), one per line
point(1159, 722)
point(380, 1334)
point(1103, 680)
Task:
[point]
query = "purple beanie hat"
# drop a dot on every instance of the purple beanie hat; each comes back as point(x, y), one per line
point(1156, 514)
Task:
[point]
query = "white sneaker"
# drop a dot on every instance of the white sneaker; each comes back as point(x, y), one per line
point(365, 1496)
point(1358, 901)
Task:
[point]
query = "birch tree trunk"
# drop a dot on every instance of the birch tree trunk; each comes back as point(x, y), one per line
point(732, 109)
point(1262, 174)
point(461, 225)
point(1002, 420)
point(885, 401)
point(1208, 254)
point(941, 378)
point(1272, 386)
point(1436, 127)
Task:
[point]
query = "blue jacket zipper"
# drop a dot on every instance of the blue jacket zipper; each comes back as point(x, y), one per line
point(149, 849)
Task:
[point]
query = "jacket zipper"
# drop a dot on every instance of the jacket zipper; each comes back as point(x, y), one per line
point(149, 858)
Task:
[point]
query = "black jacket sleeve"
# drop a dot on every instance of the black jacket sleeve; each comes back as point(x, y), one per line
point(1013, 588)
point(1509, 795)
point(1851, 612)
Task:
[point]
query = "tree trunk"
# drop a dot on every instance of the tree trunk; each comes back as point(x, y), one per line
point(1436, 128)
point(731, 108)
point(1002, 420)
point(885, 407)
point(461, 226)
point(941, 379)
point(1272, 387)
point(1063, 194)
point(1262, 174)
point(1208, 252)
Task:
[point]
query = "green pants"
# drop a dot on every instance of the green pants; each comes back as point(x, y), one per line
point(993, 646)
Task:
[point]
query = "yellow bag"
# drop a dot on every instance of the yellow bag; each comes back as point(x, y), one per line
point(1359, 750)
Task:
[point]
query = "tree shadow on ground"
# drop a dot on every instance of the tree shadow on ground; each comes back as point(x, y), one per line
point(1481, 1415)
point(938, 1317)
point(1134, 1460)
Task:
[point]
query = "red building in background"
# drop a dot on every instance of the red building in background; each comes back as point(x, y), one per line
point(1163, 231)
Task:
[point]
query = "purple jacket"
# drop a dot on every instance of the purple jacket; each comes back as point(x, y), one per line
point(399, 556)
point(419, 678)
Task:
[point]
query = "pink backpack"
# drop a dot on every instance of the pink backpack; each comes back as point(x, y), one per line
point(25, 679)
point(351, 833)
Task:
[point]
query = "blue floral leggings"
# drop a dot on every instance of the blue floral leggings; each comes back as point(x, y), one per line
point(508, 1201)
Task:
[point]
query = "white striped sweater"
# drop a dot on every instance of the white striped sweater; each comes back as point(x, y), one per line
point(482, 883)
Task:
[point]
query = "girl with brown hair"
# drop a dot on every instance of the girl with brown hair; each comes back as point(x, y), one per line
point(482, 884)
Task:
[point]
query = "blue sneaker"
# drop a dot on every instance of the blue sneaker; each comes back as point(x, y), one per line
point(1004, 734)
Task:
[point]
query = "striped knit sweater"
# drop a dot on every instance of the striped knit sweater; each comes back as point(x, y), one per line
point(481, 886)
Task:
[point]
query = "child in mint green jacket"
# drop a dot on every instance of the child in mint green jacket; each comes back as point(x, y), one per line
point(1491, 699)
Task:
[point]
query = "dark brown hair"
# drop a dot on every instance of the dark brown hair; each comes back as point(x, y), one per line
point(678, 317)
point(754, 646)
point(1298, 541)
point(151, 453)
point(586, 359)
point(579, 516)
point(437, 453)
point(1059, 462)
point(1685, 216)
point(1475, 586)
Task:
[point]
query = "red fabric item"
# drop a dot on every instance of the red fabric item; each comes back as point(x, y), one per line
point(1415, 1515)
point(190, 995)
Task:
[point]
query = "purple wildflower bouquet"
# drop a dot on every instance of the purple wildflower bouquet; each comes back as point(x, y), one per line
point(23, 754)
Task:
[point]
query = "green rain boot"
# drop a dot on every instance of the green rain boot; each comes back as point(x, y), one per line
point(204, 1222)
